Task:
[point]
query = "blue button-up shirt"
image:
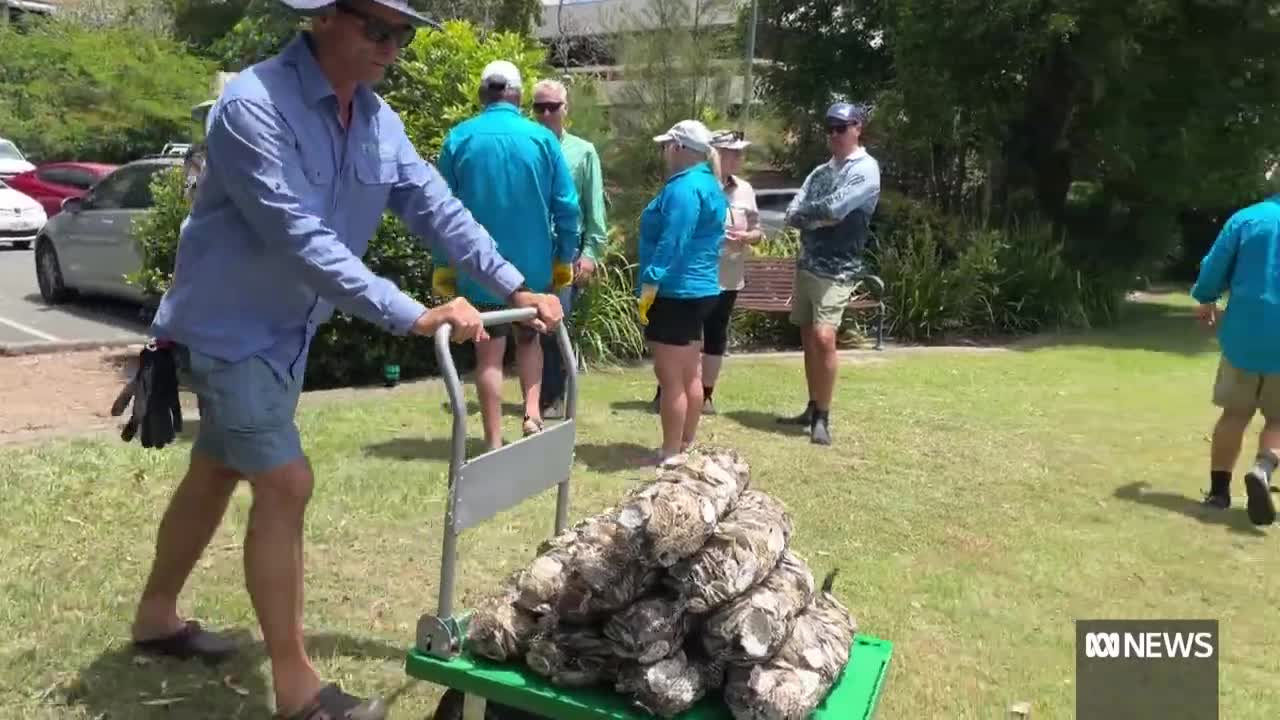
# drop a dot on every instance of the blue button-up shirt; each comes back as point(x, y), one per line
point(681, 233)
point(1245, 262)
point(286, 208)
point(512, 175)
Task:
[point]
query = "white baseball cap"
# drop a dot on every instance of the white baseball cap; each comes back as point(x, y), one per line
point(730, 140)
point(499, 74)
point(689, 133)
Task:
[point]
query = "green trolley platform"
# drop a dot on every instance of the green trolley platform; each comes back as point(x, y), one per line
point(479, 488)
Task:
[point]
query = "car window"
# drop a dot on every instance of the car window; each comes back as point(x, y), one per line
point(55, 175)
point(81, 178)
point(138, 196)
point(9, 151)
point(774, 201)
point(110, 193)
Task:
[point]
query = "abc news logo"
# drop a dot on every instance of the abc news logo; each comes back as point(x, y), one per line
point(1149, 645)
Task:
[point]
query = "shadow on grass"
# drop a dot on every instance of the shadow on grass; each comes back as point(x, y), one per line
point(614, 457)
point(641, 406)
point(1234, 519)
point(422, 448)
point(764, 422)
point(473, 408)
point(1157, 325)
point(121, 684)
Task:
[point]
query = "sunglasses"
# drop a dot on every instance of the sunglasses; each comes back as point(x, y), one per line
point(379, 31)
point(837, 129)
point(547, 107)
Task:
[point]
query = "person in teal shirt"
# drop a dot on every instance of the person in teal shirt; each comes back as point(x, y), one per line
point(550, 108)
point(1245, 262)
point(512, 176)
point(681, 232)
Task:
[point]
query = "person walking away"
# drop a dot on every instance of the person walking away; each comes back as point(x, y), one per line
point(550, 108)
point(303, 160)
point(833, 212)
point(511, 174)
point(742, 230)
point(1242, 263)
point(681, 231)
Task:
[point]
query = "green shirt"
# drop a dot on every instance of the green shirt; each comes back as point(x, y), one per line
point(584, 166)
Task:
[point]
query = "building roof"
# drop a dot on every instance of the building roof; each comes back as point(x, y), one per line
point(577, 18)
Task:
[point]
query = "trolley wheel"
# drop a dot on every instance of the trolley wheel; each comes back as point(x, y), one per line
point(450, 708)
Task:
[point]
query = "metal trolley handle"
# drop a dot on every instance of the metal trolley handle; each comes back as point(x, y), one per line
point(497, 480)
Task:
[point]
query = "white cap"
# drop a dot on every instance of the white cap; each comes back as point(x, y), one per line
point(500, 73)
point(730, 140)
point(689, 133)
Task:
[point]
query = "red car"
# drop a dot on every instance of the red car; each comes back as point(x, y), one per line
point(52, 183)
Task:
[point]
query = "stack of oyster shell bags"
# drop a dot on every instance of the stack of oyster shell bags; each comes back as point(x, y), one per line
point(685, 589)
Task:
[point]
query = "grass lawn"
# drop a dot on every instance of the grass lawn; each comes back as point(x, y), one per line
point(977, 503)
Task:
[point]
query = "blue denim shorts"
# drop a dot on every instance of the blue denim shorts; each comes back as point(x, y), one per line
point(246, 411)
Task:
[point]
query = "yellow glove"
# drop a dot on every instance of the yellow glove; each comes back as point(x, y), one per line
point(444, 282)
point(561, 276)
point(648, 294)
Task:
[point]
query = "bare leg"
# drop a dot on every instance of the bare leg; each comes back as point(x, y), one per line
point(675, 400)
point(711, 365)
point(1228, 435)
point(273, 573)
point(825, 364)
point(489, 354)
point(529, 365)
point(693, 392)
point(811, 364)
point(193, 515)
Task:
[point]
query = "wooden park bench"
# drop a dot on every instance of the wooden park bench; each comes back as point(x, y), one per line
point(769, 287)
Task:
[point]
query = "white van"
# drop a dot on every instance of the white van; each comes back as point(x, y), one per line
point(12, 161)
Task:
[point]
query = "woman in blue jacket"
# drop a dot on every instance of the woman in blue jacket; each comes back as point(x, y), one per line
point(681, 231)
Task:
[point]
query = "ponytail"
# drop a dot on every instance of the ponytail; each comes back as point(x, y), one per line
point(713, 159)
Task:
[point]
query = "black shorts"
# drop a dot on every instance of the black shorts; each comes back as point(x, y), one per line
point(678, 321)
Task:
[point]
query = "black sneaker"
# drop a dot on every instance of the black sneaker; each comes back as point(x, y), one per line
point(1262, 508)
point(804, 418)
point(820, 432)
point(1221, 501)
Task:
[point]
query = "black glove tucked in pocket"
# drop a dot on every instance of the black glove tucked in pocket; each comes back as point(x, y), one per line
point(157, 413)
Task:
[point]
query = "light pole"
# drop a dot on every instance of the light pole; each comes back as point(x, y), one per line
point(748, 92)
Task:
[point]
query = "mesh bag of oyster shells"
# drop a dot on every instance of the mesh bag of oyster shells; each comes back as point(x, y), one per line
point(791, 684)
point(572, 657)
point(668, 686)
point(744, 548)
point(753, 627)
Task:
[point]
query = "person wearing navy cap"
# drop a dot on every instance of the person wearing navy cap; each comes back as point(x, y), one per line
point(833, 212)
point(303, 160)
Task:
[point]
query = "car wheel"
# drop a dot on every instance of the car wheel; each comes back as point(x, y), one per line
point(21, 244)
point(49, 273)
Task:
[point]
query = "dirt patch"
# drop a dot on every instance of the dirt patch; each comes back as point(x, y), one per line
point(61, 393)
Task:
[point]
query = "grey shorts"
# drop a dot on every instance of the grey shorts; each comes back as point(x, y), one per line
point(246, 411)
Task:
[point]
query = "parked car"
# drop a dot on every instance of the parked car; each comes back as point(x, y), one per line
point(772, 203)
point(89, 246)
point(52, 183)
point(12, 161)
point(20, 217)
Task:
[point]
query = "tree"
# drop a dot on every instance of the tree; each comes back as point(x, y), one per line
point(112, 94)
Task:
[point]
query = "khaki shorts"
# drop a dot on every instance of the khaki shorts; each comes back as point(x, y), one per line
point(1236, 389)
point(818, 300)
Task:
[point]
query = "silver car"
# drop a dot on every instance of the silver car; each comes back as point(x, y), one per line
point(89, 247)
point(773, 203)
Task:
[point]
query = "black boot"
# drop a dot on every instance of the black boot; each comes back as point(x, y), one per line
point(1219, 495)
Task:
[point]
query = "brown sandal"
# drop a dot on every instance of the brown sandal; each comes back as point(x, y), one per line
point(331, 703)
point(192, 641)
point(531, 426)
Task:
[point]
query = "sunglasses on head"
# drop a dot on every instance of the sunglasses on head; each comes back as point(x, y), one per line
point(379, 31)
point(547, 107)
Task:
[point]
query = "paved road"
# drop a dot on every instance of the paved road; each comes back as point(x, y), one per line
point(25, 318)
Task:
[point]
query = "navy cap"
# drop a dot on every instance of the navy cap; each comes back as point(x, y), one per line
point(846, 113)
point(316, 7)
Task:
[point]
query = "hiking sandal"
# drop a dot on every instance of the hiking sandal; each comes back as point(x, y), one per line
point(192, 641)
point(331, 703)
point(531, 426)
